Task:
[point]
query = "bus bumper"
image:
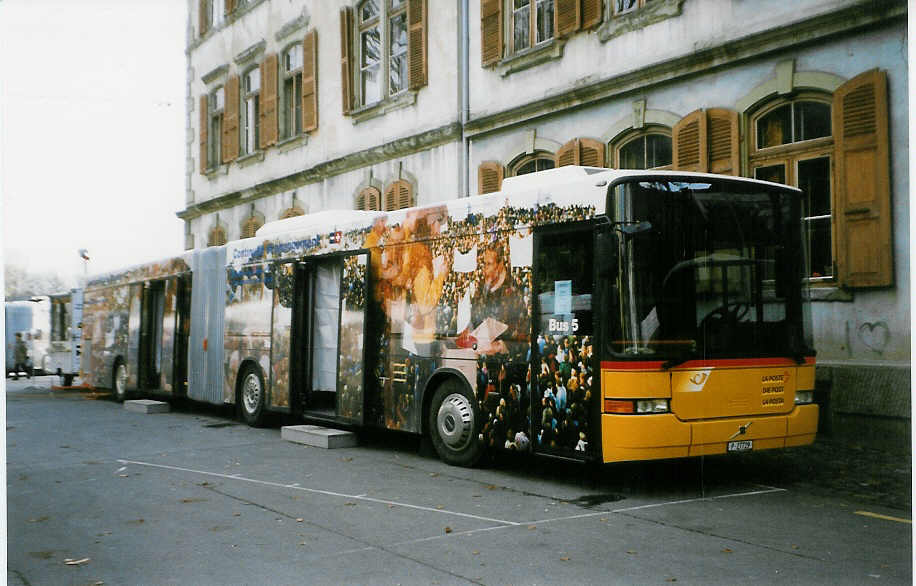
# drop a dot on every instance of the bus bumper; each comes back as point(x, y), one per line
point(649, 437)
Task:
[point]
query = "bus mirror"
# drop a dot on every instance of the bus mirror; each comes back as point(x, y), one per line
point(634, 229)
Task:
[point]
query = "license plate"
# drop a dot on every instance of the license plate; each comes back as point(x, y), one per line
point(741, 446)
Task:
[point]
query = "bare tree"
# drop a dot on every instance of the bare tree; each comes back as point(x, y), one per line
point(21, 283)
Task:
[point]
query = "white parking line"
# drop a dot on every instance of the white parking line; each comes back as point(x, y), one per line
point(323, 492)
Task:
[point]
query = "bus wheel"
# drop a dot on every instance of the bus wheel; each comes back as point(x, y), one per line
point(453, 425)
point(119, 381)
point(252, 396)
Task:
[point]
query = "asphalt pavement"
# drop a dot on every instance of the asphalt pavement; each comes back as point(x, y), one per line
point(100, 495)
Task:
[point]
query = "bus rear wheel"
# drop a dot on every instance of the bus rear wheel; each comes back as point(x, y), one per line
point(252, 396)
point(454, 425)
point(119, 381)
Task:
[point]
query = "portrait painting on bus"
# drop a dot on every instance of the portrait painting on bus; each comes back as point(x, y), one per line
point(247, 323)
point(352, 338)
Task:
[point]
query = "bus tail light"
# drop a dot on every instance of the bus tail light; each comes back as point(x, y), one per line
point(652, 406)
point(639, 406)
point(804, 397)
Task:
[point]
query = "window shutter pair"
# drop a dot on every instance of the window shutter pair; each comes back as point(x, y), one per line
point(292, 213)
point(862, 212)
point(216, 237)
point(204, 123)
point(399, 195)
point(310, 82)
point(706, 141)
point(269, 117)
point(490, 177)
point(230, 138)
point(574, 15)
point(581, 151)
point(250, 227)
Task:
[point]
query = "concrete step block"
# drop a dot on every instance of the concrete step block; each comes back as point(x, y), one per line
point(319, 437)
point(146, 406)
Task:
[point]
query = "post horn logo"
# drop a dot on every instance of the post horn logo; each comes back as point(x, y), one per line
point(699, 378)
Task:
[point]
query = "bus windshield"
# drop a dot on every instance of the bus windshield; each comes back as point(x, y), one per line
point(708, 269)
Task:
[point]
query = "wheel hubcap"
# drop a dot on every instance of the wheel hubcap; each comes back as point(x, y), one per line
point(121, 379)
point(251, 392)
point(455, 421)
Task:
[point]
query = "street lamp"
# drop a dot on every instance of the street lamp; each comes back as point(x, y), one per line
point(84, 254)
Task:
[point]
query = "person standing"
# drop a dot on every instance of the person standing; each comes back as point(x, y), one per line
point(21, 356)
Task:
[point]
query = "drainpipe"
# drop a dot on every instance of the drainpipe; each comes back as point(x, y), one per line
point(464, 106)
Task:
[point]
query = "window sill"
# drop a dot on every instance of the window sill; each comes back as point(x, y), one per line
point(250, 159)
point(214, 172)
point(529, 58)
point(827, 292)
point(288, 144)
point(651, 13)
point(402, 100)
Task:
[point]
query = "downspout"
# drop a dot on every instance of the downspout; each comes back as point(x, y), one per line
point(464, 106)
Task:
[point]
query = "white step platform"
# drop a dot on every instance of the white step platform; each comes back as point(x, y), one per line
point(319, 437)
point(147, 406)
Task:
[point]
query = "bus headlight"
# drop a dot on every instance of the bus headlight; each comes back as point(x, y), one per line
point(804, 397)
point(652, 406)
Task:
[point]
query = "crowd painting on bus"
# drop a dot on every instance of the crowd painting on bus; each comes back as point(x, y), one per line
point(444, 288)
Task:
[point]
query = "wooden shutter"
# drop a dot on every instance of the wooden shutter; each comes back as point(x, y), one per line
point(230, 145)
point(567, 17)
point(250, 227)
point(202, 20)
point(369, 199)
point(581, 151)
point(489, 177)
point(230, 7)
point(491, 31)
point(391, 197)
point(346, 65)
point(591, 13)
point(204, 120)
point(269, 116)
point(417, 15)
point(689, 143)
point(292, 213)
point(310, 82)
point(862, 211)
point(723, 141)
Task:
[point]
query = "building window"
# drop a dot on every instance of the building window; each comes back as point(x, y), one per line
point(397, 47)
point(532, 23)
point(216, 104)
point(627, 6)
point(650, 149)
point(369, 199)
point(216, 237)
point(792, 144)
point(291, 117)
point(398, 195)
point(539, 161)
point(250, 227)
point(390, 49)
point(251, 90)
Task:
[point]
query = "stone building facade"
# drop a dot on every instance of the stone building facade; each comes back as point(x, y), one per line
point(298, 106)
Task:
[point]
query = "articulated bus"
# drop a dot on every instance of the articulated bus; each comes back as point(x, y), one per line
point(583, 313)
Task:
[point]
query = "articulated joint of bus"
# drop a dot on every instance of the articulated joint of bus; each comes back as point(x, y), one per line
point(705, 407)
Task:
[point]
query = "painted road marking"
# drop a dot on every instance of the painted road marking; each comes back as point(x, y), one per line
point(885, 517)
point(322, 492)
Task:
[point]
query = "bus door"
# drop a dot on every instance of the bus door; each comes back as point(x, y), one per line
point(152, 310)
point(182, 333)
point(330, 378)
point(565, 378)
point(282, 349)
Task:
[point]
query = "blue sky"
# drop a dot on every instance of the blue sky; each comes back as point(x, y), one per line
point(92, 132)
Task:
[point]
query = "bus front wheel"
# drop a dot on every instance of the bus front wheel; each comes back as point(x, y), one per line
point(252, 396)
point(119, 381)
point(454, 425)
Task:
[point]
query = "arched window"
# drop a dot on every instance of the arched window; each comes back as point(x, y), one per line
point(292, 212)
point(791, 142)
point(537, 161)
point(649, 148)
point(369, 199)
point(250, 226)
point(216, 236)
point(399, 195)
